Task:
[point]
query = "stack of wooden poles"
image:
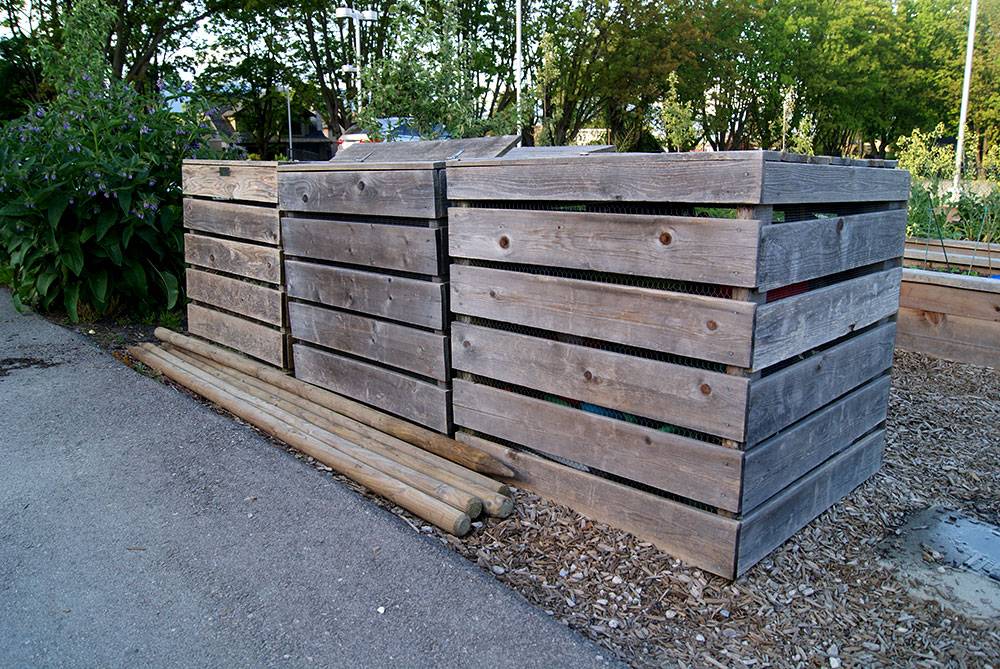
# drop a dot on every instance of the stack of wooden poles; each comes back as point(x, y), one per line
point(428, 474)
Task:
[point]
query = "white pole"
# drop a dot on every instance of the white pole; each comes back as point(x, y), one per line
point(517, 60)
point(288, 102)
point(960, 149)
point(357, 53)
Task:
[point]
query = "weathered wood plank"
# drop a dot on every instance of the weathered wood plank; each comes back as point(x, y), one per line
point(773, 523)
point(977, 283)
point(253, 261)
point(420, 401)
point(253, 339)
point(606, 177)
point(412, 193)
point(794, 452)
point(950, 337)
point(248, 299)
point(395, 345)
point(442, 149)
point(522, 152)
point(954, 259)
point(687, 467)
point(802, 322)
point(794, 252)
point(951, 299)
point(795, 183)
point(699, 399)
point(781, 398)
point(231, 180)
point(405, 248)
point(703, 539)
point(710, 250)
point(709, 328)
point(396, 298)
point(253, 223)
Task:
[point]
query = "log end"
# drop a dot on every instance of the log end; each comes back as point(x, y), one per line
point(461, 526)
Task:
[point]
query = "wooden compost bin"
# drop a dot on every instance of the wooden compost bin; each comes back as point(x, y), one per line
point(365, 270)
point(232, 245)
point(950, 316)
point(695, 348)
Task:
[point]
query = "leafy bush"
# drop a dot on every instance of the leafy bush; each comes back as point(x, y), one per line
point(935, 213)
point(90, 192)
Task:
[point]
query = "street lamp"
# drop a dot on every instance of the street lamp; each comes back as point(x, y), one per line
point(287, 90)
point(368, 15)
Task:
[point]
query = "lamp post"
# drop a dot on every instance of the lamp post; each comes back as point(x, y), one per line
point(287, 90)
point(518, 64)
point(368, 16)
point(963, 112)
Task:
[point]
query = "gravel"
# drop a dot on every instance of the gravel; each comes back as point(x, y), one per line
point(823, 599)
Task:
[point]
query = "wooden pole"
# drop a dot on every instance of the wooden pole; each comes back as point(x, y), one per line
point(433, 442)
point(494, 503)
point(400, 492)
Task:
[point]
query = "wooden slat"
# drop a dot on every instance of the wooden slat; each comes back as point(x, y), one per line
point(396, 298)
point(262, 263)
point(413, 193)
point(977, 283)
point(248, 299)
point(777, 520)
point(950, 299)
point(522, 152)
point(987, 248)
point(934, 256)
point(253, 339)
point(406, 248)
point(253, 223)
point(793, 183)
point(802, 322)
point(704, 472)
point(395, 345)
point(781, 398)
point(794, 252)
point(710, 250)
point(794, 452)
point(607, 177)
point(703, 539)
point(420, 401)
point(443, 149)
point(231, 180)
point(950, 337)
point(709, 328)
point(687, 396)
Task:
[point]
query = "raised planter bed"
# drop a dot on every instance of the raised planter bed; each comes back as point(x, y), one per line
point(953, 254)
point(693, 347)
point(950, 316)
point(232, 245)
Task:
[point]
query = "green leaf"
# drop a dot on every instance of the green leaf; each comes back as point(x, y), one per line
point(127, 235)
point(114, 251)
point(97, 282)
point(86, 233)
point(125, 200)
point(135, 277)
point(44, 282)
point(56, 208)
point(105, 220)
point(170, 285)
point(72, 254)
point(71, 298)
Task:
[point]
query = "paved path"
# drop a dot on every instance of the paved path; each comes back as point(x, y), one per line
point(140, 528)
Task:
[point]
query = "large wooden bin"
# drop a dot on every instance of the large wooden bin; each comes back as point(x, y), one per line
point(694, 347)
point(365, 270)
point(232, 245)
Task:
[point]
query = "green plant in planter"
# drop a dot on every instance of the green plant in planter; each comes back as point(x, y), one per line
point(90, 191)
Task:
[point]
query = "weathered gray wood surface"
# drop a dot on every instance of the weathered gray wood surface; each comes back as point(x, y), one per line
point(253, 339)
point(792, 453)
point(249, 222)
point(699, 537)
point(687, 467)
point(802, 322)
point(395, 345)
point(392, 192)
point(709, 328)
point(703, 400)
point(253, 261)
point(439, 149)
point(393, 297)
point(794, 252)
point(780, 399)
point(791, 183)
point(710, 250)
point(521, 152)
point(968, 296)
point(969, 283)
point(406, 248)
point(778, 519)
point(420, 401)
point(950, 337)
point(248, 299)
point(231, 179)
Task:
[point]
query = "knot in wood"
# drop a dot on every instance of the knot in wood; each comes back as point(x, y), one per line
point(666, 238)
point(588, 375)
point(705, 389)
point(361, 185)
point(504, 242)
point(305, 197)
point(712, 325)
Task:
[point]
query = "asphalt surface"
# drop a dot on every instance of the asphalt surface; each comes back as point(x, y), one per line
point(138, 527)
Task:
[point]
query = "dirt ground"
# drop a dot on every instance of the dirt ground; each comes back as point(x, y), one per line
point(826, 598)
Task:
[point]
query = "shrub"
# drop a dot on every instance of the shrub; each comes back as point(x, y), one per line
point(90, 193)
point(935, 213)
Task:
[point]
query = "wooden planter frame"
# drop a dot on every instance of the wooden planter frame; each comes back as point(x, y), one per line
point(706, 382)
